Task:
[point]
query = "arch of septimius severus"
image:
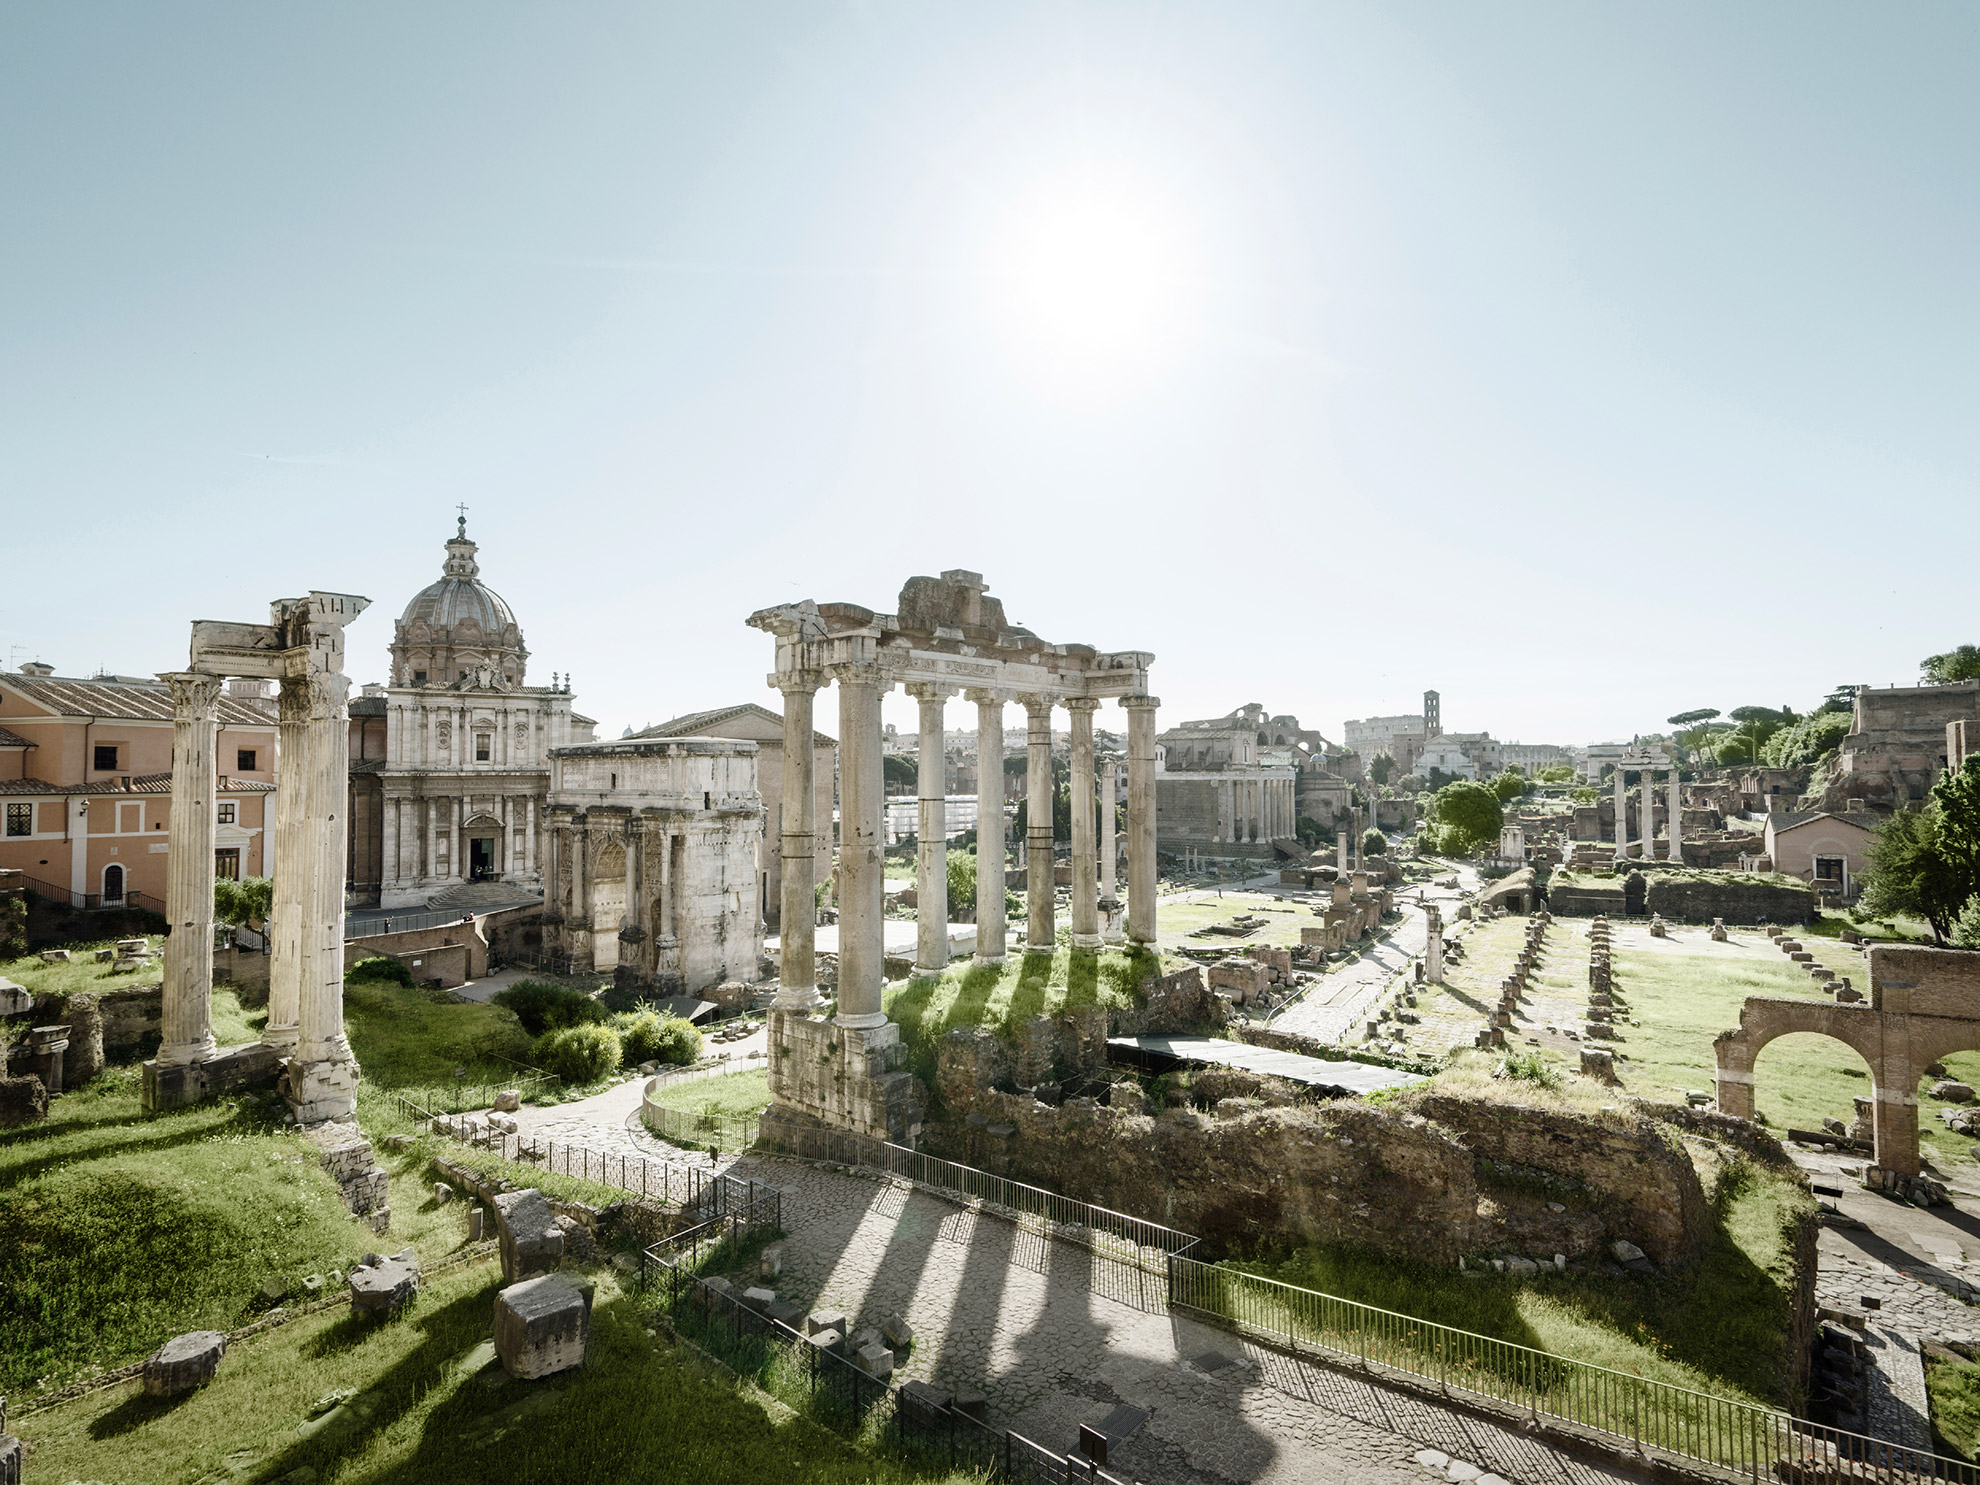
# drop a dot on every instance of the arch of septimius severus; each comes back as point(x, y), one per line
point(948, 637)
point(302, 648)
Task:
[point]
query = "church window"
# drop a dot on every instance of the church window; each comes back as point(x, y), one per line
point(419, 677)
point(482, 743)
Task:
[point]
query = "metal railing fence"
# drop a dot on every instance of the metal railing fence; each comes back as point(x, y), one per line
point(694, 1189)
point(835, 1391)
point(1747, 1439)
point(87, 901)
point(360, 928)
point(699, 1126)
point(455, 1098)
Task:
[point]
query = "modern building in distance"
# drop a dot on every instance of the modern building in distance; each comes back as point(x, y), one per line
point(86, 785)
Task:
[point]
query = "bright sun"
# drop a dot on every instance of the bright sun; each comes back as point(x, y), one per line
point(1094, 277)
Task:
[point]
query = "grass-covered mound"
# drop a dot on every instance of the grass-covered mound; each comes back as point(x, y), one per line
point(427, 1405)
point(1002, 997)
point(408, 1037)
point(736, 1094)
point(1720, 1326)
point(120, 1230)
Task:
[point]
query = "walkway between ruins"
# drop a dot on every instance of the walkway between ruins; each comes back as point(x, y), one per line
point(1057, 1337)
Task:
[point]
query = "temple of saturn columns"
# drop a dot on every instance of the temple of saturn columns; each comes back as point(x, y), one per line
point(1649, 765)
point(302, 648)
point(948, 637)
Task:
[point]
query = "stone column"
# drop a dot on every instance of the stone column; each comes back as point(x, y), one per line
point(1341, 833)
point(188, 990)
point(931, 913)
point(1110, 905)
point(1647, 811)
point(797, 907)
point(322, 1079)
point(1141, 818)
point(1433, 945)
point(1039, 896)
point(1085, 894)
point(1622, 815)
point(1676, 808)
point(291, 870)
point(989, 826)
point(862, 890)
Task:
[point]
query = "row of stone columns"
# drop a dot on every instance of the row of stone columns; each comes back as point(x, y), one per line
point(1256, 809)
point(1647, 813)
point(1095, 910)
point(306, 918)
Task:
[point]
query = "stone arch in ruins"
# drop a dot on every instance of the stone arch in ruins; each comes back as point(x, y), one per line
point(1924, 1005)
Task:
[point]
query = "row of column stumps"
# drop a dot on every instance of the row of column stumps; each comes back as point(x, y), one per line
point(1096, 911)
point(302, 648)
point(1647, 811)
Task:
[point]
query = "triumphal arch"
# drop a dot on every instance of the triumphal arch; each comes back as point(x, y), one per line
point(947, 637)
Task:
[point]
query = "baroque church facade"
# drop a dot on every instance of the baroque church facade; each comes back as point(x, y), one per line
point(450, 761)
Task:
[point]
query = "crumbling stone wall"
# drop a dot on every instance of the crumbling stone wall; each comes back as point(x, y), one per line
point(1700, 900)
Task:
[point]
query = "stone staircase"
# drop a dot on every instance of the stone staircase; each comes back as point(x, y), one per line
point(481, 897)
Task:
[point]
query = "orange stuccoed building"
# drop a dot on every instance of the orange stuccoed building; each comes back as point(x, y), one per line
point(86, 785)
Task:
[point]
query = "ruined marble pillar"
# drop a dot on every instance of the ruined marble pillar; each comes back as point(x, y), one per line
point(1676, 808)
point(322, 1077)
point(931, 913)
point(1141, 818)
point(188, 990)
point(1433, 945)
point(990, 926)
point(797, 902)
point(1085, 893)
point(862, 879)
point(1647, 814)
point(1622, 815)
point(1040, 927)
point(290, 869)
point(1110, 905)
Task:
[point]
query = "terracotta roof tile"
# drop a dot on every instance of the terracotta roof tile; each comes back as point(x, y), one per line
point(121, 700)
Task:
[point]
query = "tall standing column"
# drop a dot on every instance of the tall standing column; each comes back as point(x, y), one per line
point(188, 990)
point(291, 868)
point(1039, 890)
point(797, 906)
point(862, 886)
point(1676, 808)
point(1622, 815)
point(1647, 812)
point(931, 912)
point(1085, 894)
point(326, 757)
point(1141, 818)
point(990, 926)
point(1110, 905)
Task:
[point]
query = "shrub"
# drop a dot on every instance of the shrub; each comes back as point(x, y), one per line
point(1374, 843)
point(578, 1054)
point(545, 1007)
point(679, 1042)
point(13, 928)
point(1527, 1067)
point(646, 1035)
point(379, 969)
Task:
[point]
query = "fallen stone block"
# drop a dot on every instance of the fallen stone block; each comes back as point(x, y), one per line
point(541, 1326)
point(830, 1341)
point(1953, 1092)
point(184, 1362)
point(383, 1287)
point(442, 1193)
point(897, 1332)
point(532, 1242)
point(508, 1100)
point(819, 1320)
point(876, 1361)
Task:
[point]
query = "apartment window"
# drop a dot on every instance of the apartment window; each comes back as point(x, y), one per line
point(419, 677)
point(244, 760)
point(20, 819)
point(227, 812)
point(227, 864)
point(484, 742)
point(106, 757)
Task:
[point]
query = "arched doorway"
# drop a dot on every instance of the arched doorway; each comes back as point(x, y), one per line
point(608, 905)
point(483, 857)
point(113, 885)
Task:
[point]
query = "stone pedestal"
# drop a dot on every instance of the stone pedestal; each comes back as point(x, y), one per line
point(531, 1240)
point(383, 1287)
point(174, 1086)
point(541, 1327)
point(184, 1362)
point(844, 1077)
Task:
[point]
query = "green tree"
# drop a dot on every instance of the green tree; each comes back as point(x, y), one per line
point(901, 776)
point(243, 902)
point(1692, 718)
point(1508, 786)
point(1911, 871)
point(1808, 740)
point(962, 886)
point(1381, 768)
point(1468, 815)
point(1374, 843)
point(1960, 664)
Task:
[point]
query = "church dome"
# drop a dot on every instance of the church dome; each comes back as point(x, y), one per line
point(457, 625)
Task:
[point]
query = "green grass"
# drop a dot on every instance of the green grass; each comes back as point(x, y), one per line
point(414, 1038)
point(427, 1407)
point(82, 973)
point(1954, 1390)
point(1719, 1327)
point(737, 1094)
point(1001, 997)
point(123, 1230)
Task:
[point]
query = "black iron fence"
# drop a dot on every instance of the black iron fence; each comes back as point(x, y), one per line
point(88, 901)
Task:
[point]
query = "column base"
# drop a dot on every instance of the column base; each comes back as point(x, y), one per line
point(987, 958)
point(864, 1021)
point(316, 1091)
point(797, 998)
point(188, 1053)
point(1038, 948)
point(168, 1085)
point(1087, 943)
point(827, 1075)
point(922, 971)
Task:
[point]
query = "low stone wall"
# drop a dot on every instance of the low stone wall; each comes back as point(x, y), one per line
point(133, 1021)
point(1700, 901)
point(246, 970)
point(640, 1218)
point(1583, 899)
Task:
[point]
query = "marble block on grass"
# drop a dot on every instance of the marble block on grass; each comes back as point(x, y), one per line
point(541, 1326)
point(184, 1362)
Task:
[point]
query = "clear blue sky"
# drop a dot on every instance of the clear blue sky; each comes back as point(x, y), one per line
point(1584, 362)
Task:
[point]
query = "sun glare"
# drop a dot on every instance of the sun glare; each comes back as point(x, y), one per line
point(1094, 277)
